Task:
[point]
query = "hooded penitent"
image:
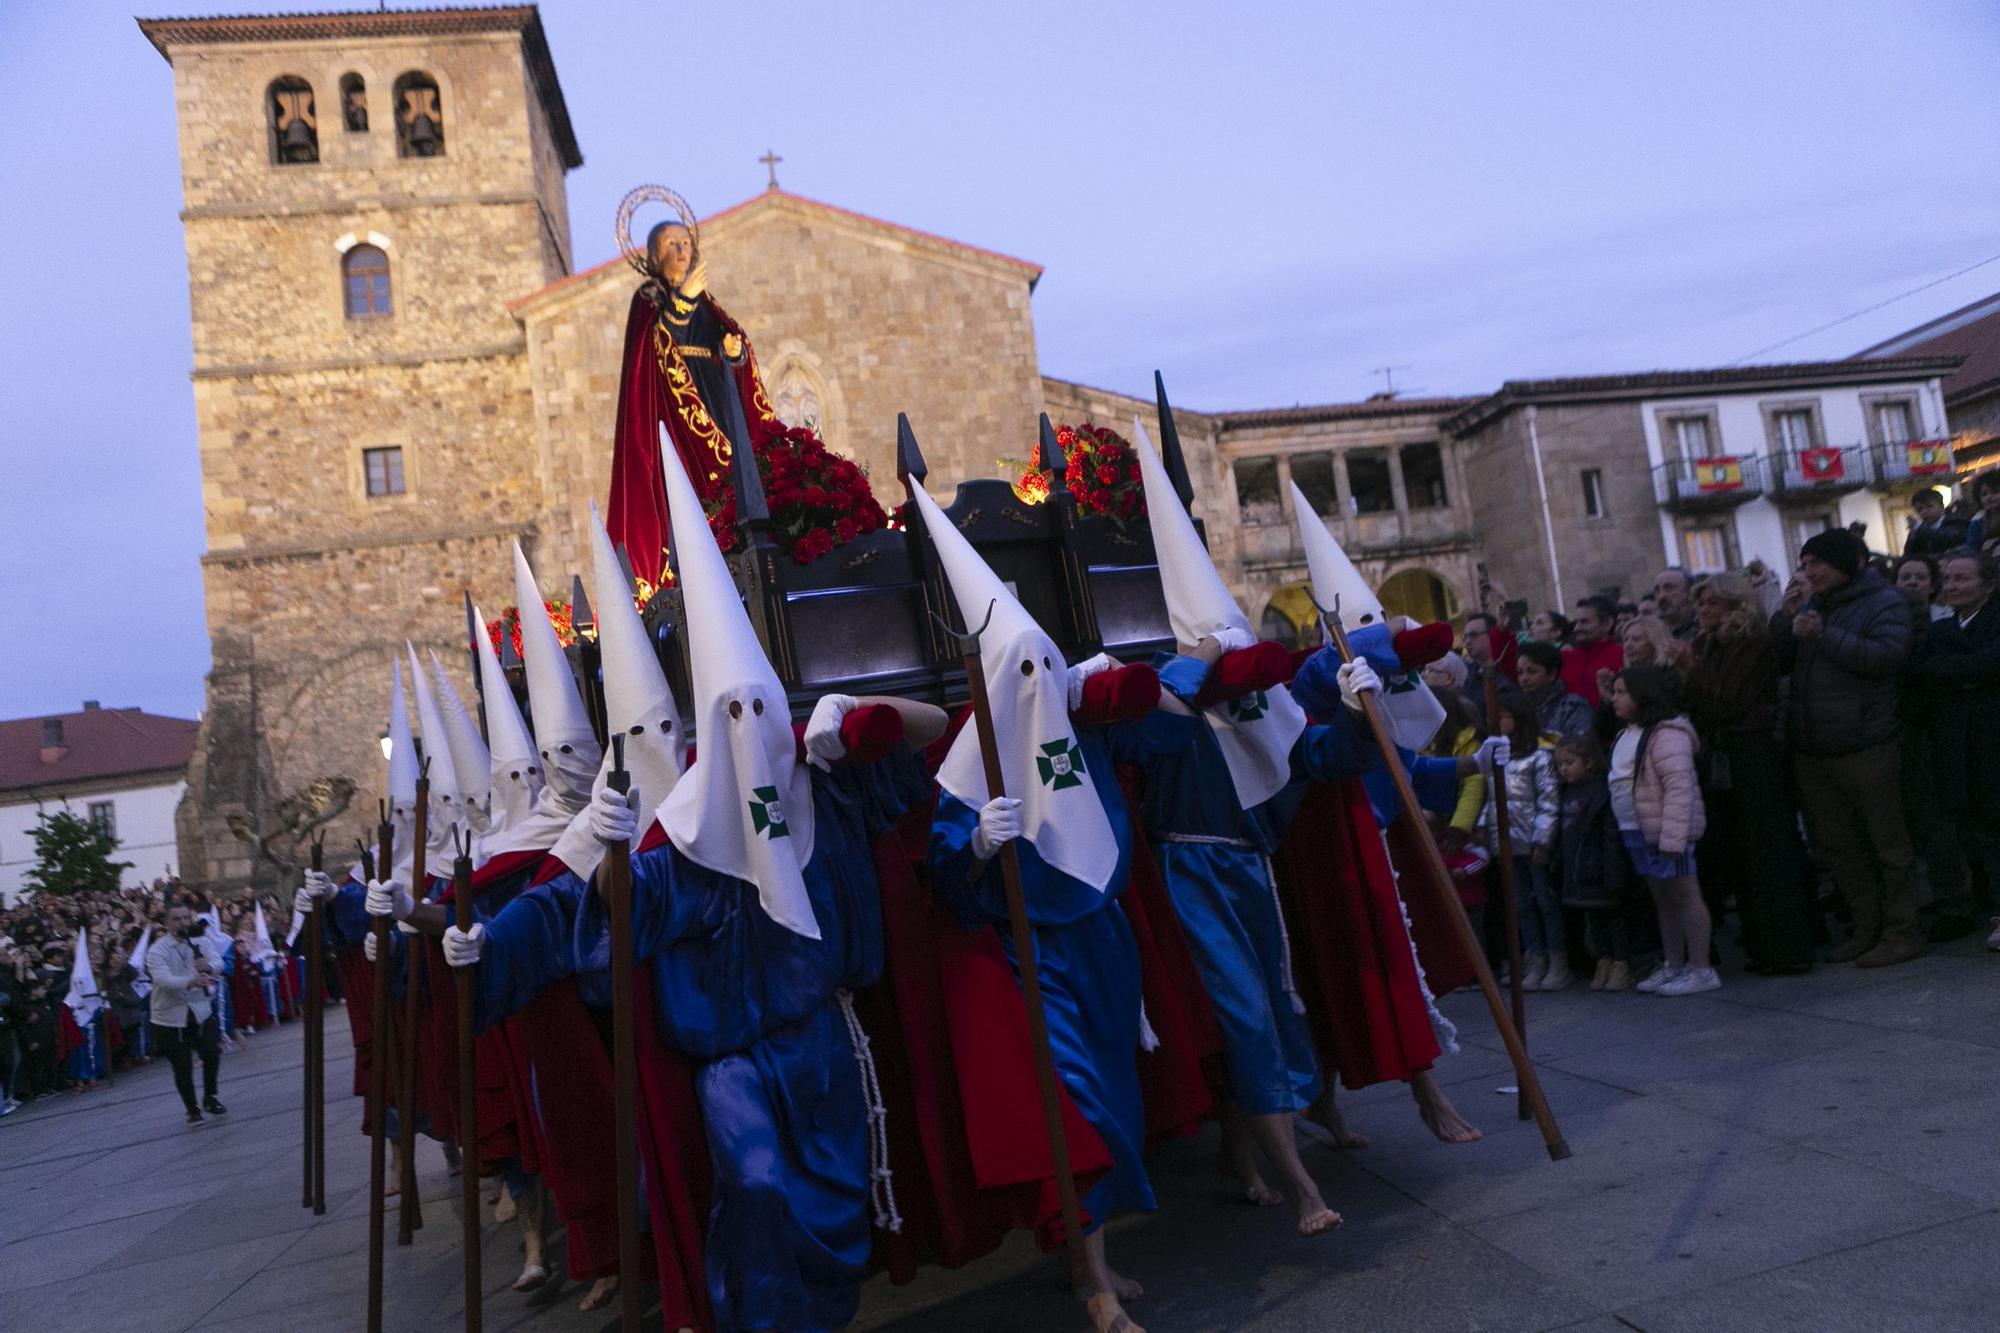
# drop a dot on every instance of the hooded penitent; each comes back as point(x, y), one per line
point(143, 984)
point(1256, 732)
point(446, 798)
point(402, 769)
point(83, 999)
point(263, 948)
point(637, 701)
point(515, 770)
point(1411, 710)
point(1027, 685)
point(745, 808)
point(563, 734)
point(471, 761)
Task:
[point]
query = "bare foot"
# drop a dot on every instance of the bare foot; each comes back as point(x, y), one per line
point(600, 1294)
point(1124, 1288)
point(1314, 1216)
point(1327, 1116)
point(1107, 1316)
point(1237, 1162)
point(532, 1277)
point(1438, 1113)
point(394, 1187)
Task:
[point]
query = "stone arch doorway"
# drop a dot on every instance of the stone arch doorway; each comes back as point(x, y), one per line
point(1290, 617)
point(1420, 595)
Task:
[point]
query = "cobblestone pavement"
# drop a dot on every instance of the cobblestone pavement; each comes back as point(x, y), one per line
point(1812, 1153)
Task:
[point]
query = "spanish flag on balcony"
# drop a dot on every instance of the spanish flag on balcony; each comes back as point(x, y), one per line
point(1712, 475)
point(1822, 464)
point(1928, 458)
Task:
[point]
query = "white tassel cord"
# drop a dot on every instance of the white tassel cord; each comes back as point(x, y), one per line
point(1149, 1040)
point(881, 1181)
point(1447, 1033)
point(1284, 939)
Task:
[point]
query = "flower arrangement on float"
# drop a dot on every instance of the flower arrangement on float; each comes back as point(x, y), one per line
point(1099, 469)
point(818, 500)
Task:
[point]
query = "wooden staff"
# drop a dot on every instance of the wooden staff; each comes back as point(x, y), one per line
point(314, 1157)
point(409, 1217)
point(1509, 895)
point(468, 1089)
point(614, 880)
point(378, 1077)
point(1447, 903)
point(1024, 954)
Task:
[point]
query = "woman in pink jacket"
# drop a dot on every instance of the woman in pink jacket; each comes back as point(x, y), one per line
point(1657, 801)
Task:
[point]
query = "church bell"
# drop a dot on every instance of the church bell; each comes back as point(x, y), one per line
point(297, 142)
point(424, 140)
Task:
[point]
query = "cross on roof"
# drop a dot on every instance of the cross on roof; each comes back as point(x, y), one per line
point(771, 161)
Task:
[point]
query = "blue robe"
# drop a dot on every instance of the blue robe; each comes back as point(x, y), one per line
point(1433, 781)
point(1215, 858)
point(1085, 955)
point(755, 1006)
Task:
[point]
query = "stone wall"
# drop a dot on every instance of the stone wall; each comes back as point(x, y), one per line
point(1619, 552)
point(311, 584)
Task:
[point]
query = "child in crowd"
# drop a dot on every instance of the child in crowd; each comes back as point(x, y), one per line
point(1531, 818)
point(1587, 859)
point(1657, 802)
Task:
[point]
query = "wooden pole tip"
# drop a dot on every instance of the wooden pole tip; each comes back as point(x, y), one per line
point(1559, 1150)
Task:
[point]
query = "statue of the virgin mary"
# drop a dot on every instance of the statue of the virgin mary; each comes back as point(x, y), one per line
point(686, 365)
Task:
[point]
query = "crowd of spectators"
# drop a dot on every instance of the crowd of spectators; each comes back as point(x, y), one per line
point(43, 1055)
point(1816, 756)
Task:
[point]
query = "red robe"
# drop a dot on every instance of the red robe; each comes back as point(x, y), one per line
point(1351, 958)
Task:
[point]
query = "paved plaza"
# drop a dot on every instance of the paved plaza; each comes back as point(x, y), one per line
point(1811, 1153)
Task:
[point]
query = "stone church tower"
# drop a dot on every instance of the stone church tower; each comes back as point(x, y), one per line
point(363, 193)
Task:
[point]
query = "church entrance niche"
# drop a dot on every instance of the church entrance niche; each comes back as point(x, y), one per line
point(1418, 594)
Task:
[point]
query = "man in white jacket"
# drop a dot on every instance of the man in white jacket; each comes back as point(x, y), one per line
point(183, 1012)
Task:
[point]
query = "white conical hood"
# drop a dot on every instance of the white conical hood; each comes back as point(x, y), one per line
point(746, 807)
point(563, 735)
point(83, 999)
point(445, 793)
point(401, 767)
point(1257, 731)
point(1333, 575)
point(144, 984)
point(1027, 685)
point(264, 948)
point(471, 761)
point(516, 770)
point(637, 701)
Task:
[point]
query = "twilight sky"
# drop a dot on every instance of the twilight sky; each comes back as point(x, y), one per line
point(1265, 200)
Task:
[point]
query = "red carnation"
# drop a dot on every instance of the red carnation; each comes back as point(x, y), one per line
point(1107, 475)
point(845, 530)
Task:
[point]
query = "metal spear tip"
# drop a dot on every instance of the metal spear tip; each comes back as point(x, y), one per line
point(968, 642)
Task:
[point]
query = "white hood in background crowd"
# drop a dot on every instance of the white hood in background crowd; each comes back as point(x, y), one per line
point(515, 771)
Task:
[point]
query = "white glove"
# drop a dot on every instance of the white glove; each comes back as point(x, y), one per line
point(1494, 752)
point(611, 816)
point(319, 884)
point(368, 945)
point(1356, 679)
point(464, 948)
point(1083, 671)
point(1233, 638)
point(303, 901)
point(388, 897)
point(823, 743)
point(999, 824)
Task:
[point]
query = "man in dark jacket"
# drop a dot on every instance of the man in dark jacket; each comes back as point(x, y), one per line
point(1844, 650)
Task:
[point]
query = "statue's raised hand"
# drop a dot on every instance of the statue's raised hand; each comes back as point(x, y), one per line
point(696, 281)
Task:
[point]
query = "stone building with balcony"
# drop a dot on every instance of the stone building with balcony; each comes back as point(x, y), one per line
point(1593, 484)
point(1381, 473)
point(1971, 392)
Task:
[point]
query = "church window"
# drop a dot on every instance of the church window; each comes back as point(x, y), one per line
point(797, 401)
point(365, 271)
point(1257, 490)
point(354, 103)
point(419, 117)
point(104, 817)
point(384, 470)
point(294, 122)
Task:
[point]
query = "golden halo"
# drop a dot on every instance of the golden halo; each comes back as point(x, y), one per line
point(635, 255)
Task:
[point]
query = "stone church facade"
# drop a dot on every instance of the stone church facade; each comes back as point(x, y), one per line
point(398, 371)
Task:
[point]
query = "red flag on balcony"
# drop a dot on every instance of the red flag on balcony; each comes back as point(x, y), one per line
point(1718, 474)
point(1928, 458)
point(1822, 464)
